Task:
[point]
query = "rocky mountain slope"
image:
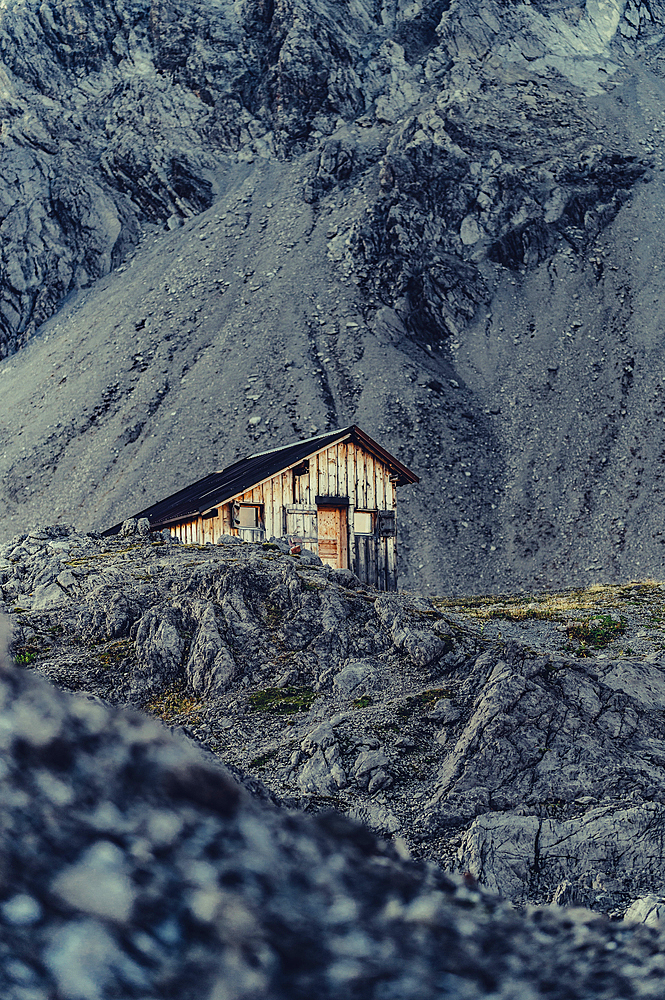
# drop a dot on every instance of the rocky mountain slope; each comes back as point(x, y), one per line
point(441, 221)
point(520, 743)
point(142, 870)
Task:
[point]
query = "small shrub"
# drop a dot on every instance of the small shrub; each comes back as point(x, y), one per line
point(23, 659)
point(282, 701)
point(425, 699)
point(593, 633)
point(363, 702)
point(174, 702)
point(116, 652)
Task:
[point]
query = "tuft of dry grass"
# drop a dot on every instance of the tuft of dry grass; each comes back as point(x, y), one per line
point(175, 703)
point(553, 606)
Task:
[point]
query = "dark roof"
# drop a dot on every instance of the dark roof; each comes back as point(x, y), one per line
point(221, 486)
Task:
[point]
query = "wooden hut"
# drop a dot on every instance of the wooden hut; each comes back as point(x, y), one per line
point(334, 493)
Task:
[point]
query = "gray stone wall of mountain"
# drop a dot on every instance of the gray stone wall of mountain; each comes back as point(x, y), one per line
point(441, 221)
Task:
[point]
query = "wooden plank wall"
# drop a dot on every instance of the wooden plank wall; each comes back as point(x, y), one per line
point(346, 470)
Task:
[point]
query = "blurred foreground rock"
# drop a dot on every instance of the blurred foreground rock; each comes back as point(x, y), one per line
point(133, 865)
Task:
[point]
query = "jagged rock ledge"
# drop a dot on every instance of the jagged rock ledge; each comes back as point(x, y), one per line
point(539, 772)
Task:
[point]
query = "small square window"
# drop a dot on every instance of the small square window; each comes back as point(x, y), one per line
point(248, 517)
point(363, 522)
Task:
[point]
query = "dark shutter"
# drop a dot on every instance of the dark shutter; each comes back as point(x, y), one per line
point(386, 523)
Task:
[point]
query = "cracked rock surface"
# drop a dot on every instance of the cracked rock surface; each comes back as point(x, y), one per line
point(531, 762)
point(142, 869)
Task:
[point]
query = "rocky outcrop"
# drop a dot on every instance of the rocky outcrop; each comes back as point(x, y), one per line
point(454, 195)
point(534, 768)
point(118, 115)
point(142, 869)
point(121, 115)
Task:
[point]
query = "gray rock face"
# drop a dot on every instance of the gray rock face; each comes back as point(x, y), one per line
point(470, 287)
point(370, 769)
point(355, 680)
point(537, 773)
point(124, 113)
point(210, 666)
point(160, 649)
point(647, 910)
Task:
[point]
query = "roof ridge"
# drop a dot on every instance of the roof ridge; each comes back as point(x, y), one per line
point(283, 447)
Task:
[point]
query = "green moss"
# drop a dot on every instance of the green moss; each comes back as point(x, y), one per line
point(274, 614)
point(363, 702)
point(282, 701)
point(260, 762)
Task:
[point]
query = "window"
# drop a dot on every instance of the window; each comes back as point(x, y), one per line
point(248, 517)
point(363, 522)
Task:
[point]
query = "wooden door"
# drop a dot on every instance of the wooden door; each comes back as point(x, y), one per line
point(332, 531)
point(301, 523)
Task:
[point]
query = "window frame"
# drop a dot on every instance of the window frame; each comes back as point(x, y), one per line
point(244, 505)
point(372, 511)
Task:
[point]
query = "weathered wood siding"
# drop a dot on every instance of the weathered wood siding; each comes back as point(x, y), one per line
point(288, 504)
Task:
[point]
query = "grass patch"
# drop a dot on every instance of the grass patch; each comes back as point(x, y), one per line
point(82, 560)
point(593, 633)
point(425, 699)
point(116, 652)
point(553, 606)
point(35, 648)
point(260, 762)
point(175, 702)
point(386, 727)
point(309, 584)
point(282, 701)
